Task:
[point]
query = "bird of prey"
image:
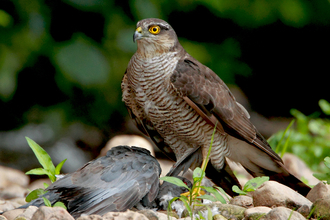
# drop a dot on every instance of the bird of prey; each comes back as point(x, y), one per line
point(177, 102)
point(125, 177)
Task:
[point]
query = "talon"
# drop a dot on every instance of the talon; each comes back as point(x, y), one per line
point(196, 192)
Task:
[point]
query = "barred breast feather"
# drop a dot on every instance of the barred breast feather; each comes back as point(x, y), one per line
point(155, 99)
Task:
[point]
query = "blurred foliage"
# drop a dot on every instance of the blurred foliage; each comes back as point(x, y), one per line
point(310, 139)
point(324, 176)
point(62, 61)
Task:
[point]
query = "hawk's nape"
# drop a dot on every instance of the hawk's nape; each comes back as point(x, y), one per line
point(177, 101)
point(125, 177)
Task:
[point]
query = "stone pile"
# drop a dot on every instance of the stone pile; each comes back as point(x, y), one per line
point(270, 201)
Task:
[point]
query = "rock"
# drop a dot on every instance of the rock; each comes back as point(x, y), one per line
point(256, 212)
point(304, 210)
point(152, 215)
point(321, 208)
point(226, 210)
point(51, 213)
point(244, 201)
point(171, 214)
point(219, 217)
point(11, 214)
point(298, 168)
point(6, 205)
point(10, 176)
point(17, 201)
point(128, 215)
point(186, 218)
point(281, 213)
point(27, 214)
point(39, 184)
point(130, 140)
point(3, 217)
point(161, 216)
point(13, 191)
point(319, 191)
point(272, 193)
point(90, 217)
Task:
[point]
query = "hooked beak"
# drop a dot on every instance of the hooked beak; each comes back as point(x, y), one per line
point(137, 34)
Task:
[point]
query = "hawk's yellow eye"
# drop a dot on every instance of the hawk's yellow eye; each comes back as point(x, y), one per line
point(154, 29)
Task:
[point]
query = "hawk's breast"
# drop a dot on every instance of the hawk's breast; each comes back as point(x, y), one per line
point(179, 125)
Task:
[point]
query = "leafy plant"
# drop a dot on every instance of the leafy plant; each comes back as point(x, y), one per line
point(284, 147)
point(48, 169)
point(251, 185)
point(46, 162)
point(324, 176)
point(194, 197)
point(309, 138)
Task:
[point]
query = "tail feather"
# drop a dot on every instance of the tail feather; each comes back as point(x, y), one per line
point(284, 177)
point(224, 178)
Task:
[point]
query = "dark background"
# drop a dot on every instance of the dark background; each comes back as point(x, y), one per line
point(61, 64)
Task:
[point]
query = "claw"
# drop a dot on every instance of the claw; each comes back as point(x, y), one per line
point(196, 192)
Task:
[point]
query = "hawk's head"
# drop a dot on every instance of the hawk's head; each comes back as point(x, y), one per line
point(154, 36)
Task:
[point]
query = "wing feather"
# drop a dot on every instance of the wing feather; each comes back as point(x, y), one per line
point(115, 182)
point(205, 92)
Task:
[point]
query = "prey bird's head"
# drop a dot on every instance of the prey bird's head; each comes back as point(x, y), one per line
point(154, 37)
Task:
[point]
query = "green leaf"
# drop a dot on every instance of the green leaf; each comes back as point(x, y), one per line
point(278, 147)
point(35, 194)
point(37, 171)
point(175, 181)
point(236, 189)
point(254, 183)
point(185, 202)
point(47, 202)
point(197, 174)
point(209, 213)
point(322, 176)
point(201, 217)
point(46, 185)
point(222, 191)
point(327, 162)
point(60, 204)
point(82, 62)
point(59, 167)
point(215, 192)
point(169, 207)
point(325, 106)
point(208, 197)
point(42, 156)
point(5, 18)
point(41, 171)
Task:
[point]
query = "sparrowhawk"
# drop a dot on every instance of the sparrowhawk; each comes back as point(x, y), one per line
point(177, 101)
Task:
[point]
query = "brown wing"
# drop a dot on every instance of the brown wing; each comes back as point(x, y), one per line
point(141, 121)
point(207, 93)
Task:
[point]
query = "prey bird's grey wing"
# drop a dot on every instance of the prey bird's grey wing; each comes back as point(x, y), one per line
point(143, 123)
point(115, 182)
